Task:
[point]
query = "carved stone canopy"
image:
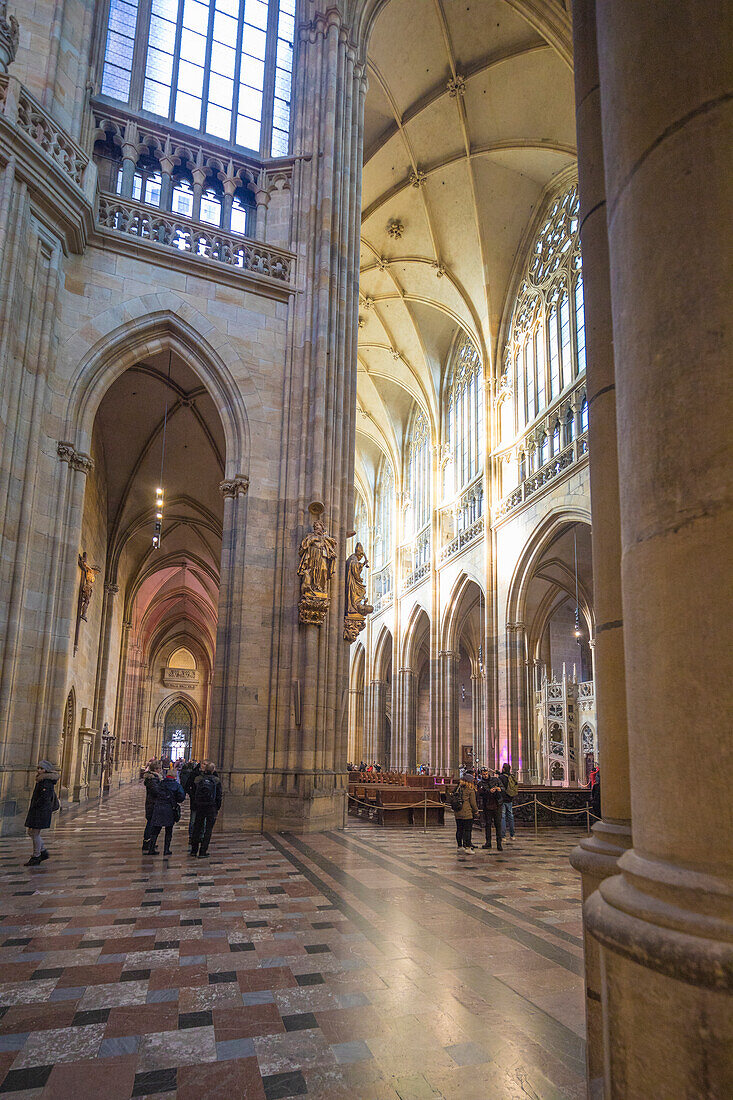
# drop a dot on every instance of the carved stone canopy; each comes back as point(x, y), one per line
point(77, 460)
point(235, 486)
point(9, 37)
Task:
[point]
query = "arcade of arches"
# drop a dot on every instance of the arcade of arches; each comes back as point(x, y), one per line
point(447, 276)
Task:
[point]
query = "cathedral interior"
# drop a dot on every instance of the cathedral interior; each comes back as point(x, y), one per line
point(352, 355)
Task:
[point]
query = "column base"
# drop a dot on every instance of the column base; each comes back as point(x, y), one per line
point(596, 858)
point(665, 941)
point(284, 802)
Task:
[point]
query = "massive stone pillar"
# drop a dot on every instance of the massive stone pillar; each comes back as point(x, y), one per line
point(516, 648)
point(447, 757)
point(664, 923)
point(596, 857)
point(305, 767)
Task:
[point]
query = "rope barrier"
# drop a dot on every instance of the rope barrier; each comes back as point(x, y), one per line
point(443, 805)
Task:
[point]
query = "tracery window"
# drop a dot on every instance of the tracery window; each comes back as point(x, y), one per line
point(361, 523)
point(221, 67)
point(383, 511)
point(465, 414)
point(418, 471)
point(546, 347)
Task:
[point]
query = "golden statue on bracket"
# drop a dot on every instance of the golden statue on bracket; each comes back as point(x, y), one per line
point(356, 607)
point(316, 561)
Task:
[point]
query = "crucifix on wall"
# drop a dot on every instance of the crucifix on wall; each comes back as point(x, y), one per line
point(86, 588)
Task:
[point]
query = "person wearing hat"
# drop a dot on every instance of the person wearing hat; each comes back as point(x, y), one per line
point(168, 794)
point(43, 805)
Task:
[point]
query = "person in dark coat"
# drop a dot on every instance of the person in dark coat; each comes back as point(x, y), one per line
point(206, 802)
point(490, 796)
point(168, 794)
point(43, 805)
point(465, 814)
point(150, 779)
point(188, 788)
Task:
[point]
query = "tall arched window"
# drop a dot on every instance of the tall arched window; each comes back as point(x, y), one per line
point(361, 522)
point(465, 413)
point(222, 67)
point(547, 336)
point(383, 511)
point(418, 471)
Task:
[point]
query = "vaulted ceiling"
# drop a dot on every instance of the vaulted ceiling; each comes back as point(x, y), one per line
point(469, 118)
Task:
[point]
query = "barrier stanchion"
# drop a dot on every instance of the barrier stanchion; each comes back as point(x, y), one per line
point(587, 820)
point(425, 813)
point(534, 799)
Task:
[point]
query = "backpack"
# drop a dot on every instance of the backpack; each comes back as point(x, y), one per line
point(206, 791)
point(512, 787)
point(456, 801)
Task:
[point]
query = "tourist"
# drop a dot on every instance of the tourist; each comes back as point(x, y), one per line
point(362, 766)
point(166, 811)
point(188, 788)
point(595, 795)
point(206, 802)
point(151, 778)
point(43, 805)
point(510, 791)
point(463, 804)
point(490, 793)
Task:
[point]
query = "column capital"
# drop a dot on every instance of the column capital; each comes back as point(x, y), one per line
point(234, 486)
point(77, 460)
point(112, 589)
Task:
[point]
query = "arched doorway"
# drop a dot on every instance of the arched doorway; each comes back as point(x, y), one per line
point(67, 751)
point(177, 730)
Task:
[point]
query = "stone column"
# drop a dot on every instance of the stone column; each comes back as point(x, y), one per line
point(448, 756)
point(518, 711)
point(130, 154)
point(597, 856)
point(167, 164)
point(664, 923)
point(356, 724)
point(100, 693)
point(262, 198)
point(406, 720)
point(377, 711)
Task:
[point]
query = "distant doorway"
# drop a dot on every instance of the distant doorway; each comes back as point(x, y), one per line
point(177, 733)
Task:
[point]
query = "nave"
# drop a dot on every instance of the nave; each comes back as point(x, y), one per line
point(366, 963)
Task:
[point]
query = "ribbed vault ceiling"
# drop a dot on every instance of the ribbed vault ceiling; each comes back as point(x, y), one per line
point(469, 118)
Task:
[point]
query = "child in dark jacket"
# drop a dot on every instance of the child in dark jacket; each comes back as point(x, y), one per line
point(43, 805)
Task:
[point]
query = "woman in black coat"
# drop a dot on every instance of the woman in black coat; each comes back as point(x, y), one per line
point(43, 805)
point(151, 778)
point(168, 794)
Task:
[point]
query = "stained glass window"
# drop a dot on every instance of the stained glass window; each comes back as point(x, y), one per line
point(465, 413)
point(547, 336)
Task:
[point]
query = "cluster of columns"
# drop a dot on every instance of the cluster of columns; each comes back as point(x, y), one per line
point(169, 158)
point(657, 872)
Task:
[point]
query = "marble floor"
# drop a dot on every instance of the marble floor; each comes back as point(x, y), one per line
point(371, 964)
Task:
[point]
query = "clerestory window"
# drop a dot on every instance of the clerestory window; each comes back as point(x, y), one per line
point(546, 347)
point(221, 67)
point(465, 414)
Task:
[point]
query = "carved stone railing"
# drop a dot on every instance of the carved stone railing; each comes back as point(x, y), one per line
point(557, 465)
point(382, 588)
point(25, 112)
point(173, 231)
point(416, 576)
point(463, 539)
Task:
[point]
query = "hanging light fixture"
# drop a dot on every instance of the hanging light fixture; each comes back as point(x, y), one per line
point(160, 491)
point(578, 633)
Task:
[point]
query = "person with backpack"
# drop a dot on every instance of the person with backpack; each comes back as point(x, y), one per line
point(511, 789)
point(168, 794)
point(491, 793)
point(463, 804)
point(206, 801)
point(188, 788)
point(43, 805)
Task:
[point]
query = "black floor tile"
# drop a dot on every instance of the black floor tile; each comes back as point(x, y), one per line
point(301, 1021)
point(278, 1086)
point(35, 1077)
point(309, 979)
point(155, 1080)
point(195, 1019)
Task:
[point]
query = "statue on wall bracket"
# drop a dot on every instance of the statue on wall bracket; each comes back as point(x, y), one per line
point(316, 561)
point(86, 588)
point(356, 607)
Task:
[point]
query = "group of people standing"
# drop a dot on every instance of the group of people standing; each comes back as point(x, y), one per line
point(494, 792)
point(166, 787)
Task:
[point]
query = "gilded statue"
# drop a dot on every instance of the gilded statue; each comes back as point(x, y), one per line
point(86, 588)
point(356, 607)
point(316, 561)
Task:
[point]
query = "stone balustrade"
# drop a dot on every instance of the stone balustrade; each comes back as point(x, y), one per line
point(551, 470)
point(22, 110)
point(178, 232)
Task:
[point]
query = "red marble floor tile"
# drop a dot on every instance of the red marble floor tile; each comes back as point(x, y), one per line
point(124, 944)
point(54, 943)
point(142, 1020)
point(90, 975)
point(111, 1078)
point(237, 1078)
point(192, 947)
point(273, 977)
point(37, 1017)
point(242, 1023)
point(17, 972)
